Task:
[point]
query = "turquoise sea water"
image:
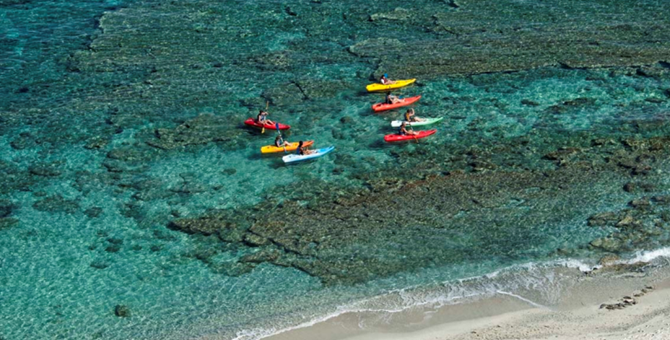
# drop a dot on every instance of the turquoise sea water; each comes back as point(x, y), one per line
point(119, 117)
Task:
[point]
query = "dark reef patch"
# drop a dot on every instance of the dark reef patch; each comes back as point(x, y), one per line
point(397, 225)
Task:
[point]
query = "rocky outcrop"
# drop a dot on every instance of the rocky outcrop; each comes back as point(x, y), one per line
point(626, 301)
point(646, 221)
point(353, 237)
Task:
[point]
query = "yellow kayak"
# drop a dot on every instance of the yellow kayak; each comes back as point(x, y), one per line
point(381, 87)
point(290, 147)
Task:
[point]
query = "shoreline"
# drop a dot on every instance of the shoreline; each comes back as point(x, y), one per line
point(581, 313)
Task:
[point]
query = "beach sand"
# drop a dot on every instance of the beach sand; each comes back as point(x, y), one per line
point(580, 314)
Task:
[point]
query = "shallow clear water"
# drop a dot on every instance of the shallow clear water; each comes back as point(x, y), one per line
point(117, 118)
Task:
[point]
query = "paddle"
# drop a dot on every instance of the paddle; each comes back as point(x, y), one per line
point(267, 103)
point(280, 137)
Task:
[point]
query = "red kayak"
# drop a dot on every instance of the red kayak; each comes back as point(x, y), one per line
point(400, 138)
point(253, 123)
point(403, 102)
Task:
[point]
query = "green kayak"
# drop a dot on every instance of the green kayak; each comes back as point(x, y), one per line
point(425, 121)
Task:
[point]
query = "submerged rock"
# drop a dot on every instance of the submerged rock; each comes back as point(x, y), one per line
point(122, 311)
point(96, 143)
point(93, 212)
point(663, 200)
point(229, 171)
point(46, 169)
point(603, 219)
point(7, 222)
point(529, 102)
point(265, 255)
point(24, 141)
point(636, 187)
point(641, 203)
point(99, 264)
point(200, 130)
point(6, 207)
point(56, 203)
point(285, 95)
point(609, 244)
point(372, 47)
point(13, 178)
point(395, 225)
point(255, 240)
point(624, 267)
point(113, 248)
point(625, 221)
point(397, 14)
point(232, 268)
point(205, 226)
point(608, 260)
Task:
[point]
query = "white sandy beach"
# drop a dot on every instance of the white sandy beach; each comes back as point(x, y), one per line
point(649, 319)
point(578, 316)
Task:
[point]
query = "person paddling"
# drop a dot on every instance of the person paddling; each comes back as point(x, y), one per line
point(404, 131)
point(392, 99)
point(385, 80)
point(262, 118)
point(410, 117)
point(280, 142)
point(302, 150)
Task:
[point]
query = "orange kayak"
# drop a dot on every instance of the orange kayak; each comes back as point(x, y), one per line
point(403, 102)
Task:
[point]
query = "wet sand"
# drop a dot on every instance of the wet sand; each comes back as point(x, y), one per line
point(581, 314)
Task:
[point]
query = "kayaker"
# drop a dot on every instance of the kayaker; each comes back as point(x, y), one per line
point(392, 99)
point(302, 150)
point(262, 118)
point(410, 117)
point(403, 130)
point(280, 142)
point(385, 80)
